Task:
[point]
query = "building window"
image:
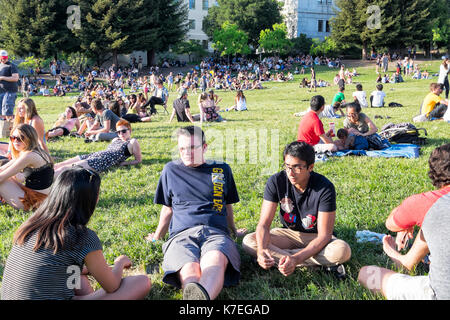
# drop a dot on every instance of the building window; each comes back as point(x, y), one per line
point(191, 24)
point(191, 4)
point(205, 4)
point(327, 26)
point(205, 44)
point(320, 26)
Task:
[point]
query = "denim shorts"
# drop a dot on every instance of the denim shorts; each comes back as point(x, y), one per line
point(8, 100)
point(191, 244)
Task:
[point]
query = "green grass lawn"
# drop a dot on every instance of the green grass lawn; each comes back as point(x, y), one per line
point(367, 188)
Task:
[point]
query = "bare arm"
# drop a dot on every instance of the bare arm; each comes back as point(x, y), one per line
point(13, 78)
point(268, 210)
point(109, 278)
point(372, 127)
point(135, 150)
point(163, 225)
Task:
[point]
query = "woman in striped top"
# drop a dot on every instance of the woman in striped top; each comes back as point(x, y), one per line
point(53, 251)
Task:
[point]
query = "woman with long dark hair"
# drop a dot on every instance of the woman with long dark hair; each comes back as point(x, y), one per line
point(52, 246)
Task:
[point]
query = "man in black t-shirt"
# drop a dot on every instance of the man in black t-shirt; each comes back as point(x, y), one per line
point(9, 76)
point(181, 108)
point(197, 198)
point(307, 211)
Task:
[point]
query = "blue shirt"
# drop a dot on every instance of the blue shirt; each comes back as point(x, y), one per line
point(197, 196)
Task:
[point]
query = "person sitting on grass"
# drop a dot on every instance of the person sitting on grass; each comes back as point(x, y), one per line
point(25, 180)
point(27, 113)
point(200, 256)
point(433, 106)
point(67, 121)
point(116, 153)
point(377, 97)
point(428, 210)
point(208, 109)
point(104, 126)
point(310, 128)
point(240, 102)
point(360, 96)
point(54, 251)
point(307, 211)
point(339, 97)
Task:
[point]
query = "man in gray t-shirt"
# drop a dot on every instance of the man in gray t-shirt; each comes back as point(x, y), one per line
point(9, 76)
point(436, 231)
point(104, 127)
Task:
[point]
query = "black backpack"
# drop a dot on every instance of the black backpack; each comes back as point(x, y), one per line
point(403, 133)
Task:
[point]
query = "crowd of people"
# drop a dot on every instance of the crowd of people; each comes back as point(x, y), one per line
point(201, 256)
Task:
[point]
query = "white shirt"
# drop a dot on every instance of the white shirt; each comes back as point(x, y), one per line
point(378, 98)
point(361, 96)
point(443, 73)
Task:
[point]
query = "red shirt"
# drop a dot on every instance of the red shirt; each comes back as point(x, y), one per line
point(310, 128)
point(413, 209)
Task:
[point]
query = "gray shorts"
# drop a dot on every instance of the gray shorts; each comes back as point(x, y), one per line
point(191, 244)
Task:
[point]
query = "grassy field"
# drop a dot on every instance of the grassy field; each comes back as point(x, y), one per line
point(367, 188)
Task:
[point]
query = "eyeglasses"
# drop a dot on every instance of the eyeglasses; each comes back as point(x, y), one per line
point(297, 168)
point(15, 139)
point(352, 115)
point(191, 148)
point(121, 131)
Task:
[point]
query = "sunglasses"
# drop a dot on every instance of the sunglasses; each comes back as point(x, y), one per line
point(121, 131)
point(14, 139)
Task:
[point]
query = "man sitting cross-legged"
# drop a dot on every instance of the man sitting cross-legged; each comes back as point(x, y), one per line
point(307, 211)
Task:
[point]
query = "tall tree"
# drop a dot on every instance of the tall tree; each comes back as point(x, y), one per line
point(251, 16)
point(275, 40)
point(36, 27)
point(229, 40)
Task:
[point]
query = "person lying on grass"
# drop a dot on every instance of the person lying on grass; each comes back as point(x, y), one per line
point(118, 151)
point(25, 180)
point(429, 211)
point(53, 251)
point(307, 211)
point(66, 122)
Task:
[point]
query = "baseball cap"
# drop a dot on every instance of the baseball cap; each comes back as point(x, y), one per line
point(3, 54)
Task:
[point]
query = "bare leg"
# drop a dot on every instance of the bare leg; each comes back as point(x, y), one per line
point(375, 278)
point(131, 288)
point(11, 192)
point(213, 265)
point(55, 133)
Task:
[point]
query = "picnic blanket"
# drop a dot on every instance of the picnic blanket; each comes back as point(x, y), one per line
point(401, 150)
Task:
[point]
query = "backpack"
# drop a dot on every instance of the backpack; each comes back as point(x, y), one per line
point(403, 133)
point(395, 104)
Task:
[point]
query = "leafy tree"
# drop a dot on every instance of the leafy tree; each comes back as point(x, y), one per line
point(191, 48)
point(275, 39)
point(328, 47)
point(229, 40)
point(251, 16)
point(35, 27)
point(301, 44)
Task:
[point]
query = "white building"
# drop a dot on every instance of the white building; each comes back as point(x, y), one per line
point(311, 17)
point(198, 9)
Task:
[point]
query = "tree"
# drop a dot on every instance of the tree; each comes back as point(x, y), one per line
point(301, 44)
point(402, 23)
point(328, 47)
point(250, 16)
point(191, 47)
point(36, 27)
point(229, 40)
point(275, 39)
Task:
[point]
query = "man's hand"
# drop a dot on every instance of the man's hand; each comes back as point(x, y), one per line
point(265, 260)
point(286, 265)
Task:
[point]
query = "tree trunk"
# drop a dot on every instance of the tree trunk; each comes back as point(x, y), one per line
point(364, 52)
point(150, 57)
point(115, 58)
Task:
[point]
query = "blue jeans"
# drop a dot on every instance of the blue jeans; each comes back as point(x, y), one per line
point(8, 101)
